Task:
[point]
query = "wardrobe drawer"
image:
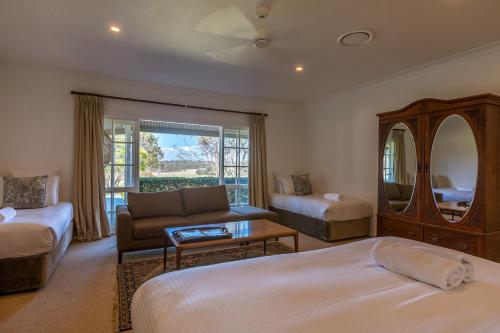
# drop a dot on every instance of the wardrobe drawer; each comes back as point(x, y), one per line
point(452, 240)
point(388, 227)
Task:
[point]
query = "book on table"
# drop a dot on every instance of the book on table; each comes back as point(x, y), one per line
point(201, 234)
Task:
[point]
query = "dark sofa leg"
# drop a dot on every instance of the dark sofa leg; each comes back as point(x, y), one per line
point(120, 257)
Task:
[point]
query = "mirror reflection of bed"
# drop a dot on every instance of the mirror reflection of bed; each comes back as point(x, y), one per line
point(453, 167)
point(399, 167)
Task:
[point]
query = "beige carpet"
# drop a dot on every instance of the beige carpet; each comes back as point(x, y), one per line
point(82, 293)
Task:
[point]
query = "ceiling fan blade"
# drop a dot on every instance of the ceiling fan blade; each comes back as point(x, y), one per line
point(229, 21)
point(240, 55)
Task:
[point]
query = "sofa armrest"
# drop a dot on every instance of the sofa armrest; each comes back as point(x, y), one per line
point(124, 228)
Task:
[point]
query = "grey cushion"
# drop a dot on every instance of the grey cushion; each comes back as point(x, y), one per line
point(254, 213)
point(157, 204)
point(406, 191)
point(215, 217)
point(153, 227)
point(204, 199)
point(24, 193)
point(392, 191)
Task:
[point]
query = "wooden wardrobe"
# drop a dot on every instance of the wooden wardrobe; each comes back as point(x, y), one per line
point(477, 231)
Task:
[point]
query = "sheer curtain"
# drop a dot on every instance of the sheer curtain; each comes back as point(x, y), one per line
point(88, 178)
point(258, 163)
point(398, 137)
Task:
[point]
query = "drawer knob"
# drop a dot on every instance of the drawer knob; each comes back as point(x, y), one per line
point(434, 239)
point(462, 246)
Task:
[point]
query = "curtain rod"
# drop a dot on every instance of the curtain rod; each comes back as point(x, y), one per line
point(165, 103)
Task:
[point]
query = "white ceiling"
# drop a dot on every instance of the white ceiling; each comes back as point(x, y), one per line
point(186, 43)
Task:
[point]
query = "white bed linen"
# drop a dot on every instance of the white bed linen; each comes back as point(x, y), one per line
point(338, 289)
point(317, 207)
point(34, 231)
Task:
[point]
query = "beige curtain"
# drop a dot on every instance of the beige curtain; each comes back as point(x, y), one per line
point(88, 178)
point(257, 180)
point(398, 137)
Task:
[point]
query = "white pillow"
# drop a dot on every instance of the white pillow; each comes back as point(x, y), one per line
point(53, 181)
point(1, 192)
point(286, 185)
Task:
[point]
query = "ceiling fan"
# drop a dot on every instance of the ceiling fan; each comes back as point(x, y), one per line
point(232, 23)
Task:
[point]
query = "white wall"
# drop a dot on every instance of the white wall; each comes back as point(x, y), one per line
point(343, 130)
point(36, 117)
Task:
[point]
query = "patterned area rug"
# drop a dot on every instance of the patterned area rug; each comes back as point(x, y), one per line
point(132, 275)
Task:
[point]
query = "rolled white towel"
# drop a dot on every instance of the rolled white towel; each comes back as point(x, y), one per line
point(435, 270)
point(469, 267)
point(7, 214)
point(333, 197)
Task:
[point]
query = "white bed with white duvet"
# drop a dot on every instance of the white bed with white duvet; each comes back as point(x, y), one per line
point(316, 206)
point(32, 244)
point(338, 289)
point(328, 220)
point(35, 231)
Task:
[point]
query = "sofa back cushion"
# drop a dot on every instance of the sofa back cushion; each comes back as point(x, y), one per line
point(204, 199)
point(156, 204)
point(392, 191)
point(406, 191)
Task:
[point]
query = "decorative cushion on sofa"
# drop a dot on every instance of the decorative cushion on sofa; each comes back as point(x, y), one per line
point(156, 204)
point(204, 199)
point(392, 191)
point(405, 191)
point(220, 216)
point(153, 227)
point(254, 213)
point(24, 193)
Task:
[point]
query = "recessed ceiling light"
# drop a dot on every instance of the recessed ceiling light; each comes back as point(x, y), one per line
point(299, 68)
point(114, 28)
point(355, 38)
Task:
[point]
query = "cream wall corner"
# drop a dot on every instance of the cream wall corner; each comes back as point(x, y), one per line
point(343, 130)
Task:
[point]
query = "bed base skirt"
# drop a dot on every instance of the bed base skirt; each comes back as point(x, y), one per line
point(324, 230)
point(33, 272)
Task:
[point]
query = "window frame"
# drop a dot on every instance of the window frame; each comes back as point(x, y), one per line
point(388, 162)
point(112, 190)
point(237, 186)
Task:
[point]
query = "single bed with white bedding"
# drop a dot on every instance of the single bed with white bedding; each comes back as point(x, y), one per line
point(32, 244)
point(34, 231)
point(338, 289)
point(325, 219)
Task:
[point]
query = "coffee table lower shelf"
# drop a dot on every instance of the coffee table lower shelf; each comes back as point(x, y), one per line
point(243, 232)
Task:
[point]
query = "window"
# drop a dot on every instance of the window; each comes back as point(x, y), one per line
point(176, 155)
point(120, 166)
point(153, 156)
point(235, 165)
point(388, 162)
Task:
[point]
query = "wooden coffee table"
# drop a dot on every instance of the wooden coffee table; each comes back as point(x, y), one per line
point(243, 232)
point(452, 208)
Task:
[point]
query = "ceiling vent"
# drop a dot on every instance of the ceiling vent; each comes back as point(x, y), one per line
point(355, 38)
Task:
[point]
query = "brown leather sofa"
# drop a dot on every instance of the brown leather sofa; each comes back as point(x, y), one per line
point(140, 224)
point(399, 195)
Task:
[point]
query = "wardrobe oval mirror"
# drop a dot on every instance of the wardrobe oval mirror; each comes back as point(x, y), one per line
point(453, 169)
point(399, 167)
